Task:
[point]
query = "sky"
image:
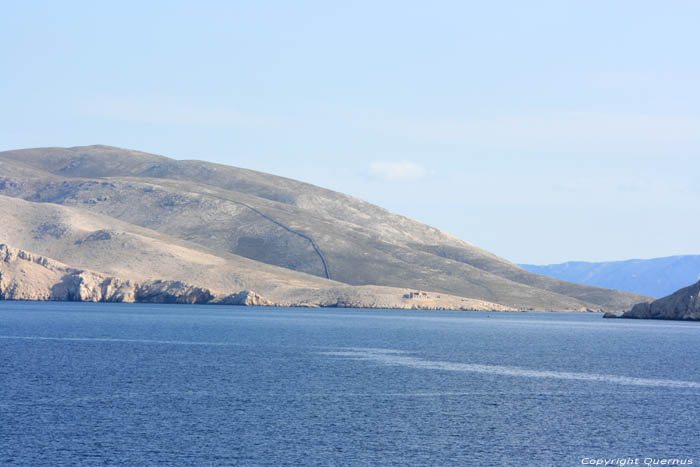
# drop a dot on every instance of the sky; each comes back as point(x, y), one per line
point(542, 131)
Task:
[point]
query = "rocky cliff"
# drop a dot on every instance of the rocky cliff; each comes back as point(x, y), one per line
point(681, 305)
point(27, 276)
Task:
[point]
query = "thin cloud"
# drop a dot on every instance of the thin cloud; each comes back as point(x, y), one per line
point(548, 131)
point(170, 111)
point(403, 171)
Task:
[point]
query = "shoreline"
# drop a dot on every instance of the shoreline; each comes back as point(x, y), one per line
point(307, 306)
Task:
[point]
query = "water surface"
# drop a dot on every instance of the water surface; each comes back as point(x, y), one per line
point(116, 384)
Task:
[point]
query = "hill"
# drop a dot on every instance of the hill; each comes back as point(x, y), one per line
point(655, 277)
point(683, 304)
point(232, 228)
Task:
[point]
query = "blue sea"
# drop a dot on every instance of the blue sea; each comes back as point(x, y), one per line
point(138, 385)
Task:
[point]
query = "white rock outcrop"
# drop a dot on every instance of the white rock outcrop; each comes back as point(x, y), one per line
point(28, 276)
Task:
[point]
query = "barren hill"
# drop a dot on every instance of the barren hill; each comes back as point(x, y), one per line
point(126, 212)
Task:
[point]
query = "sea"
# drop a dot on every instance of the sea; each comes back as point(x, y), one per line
point(138, 385)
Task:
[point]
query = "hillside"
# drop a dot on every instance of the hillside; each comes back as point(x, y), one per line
point(683, 304)
point(655, 277)
point(126, 212)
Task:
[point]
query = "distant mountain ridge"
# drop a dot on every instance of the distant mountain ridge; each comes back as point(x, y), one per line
point(130, 214)
point(657, 277)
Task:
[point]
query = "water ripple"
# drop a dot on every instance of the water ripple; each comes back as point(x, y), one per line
point(111, 339)
point(399, 358)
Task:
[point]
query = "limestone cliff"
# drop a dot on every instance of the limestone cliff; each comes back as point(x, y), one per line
point(28, 276)
point(681, 305)
point(247, 298)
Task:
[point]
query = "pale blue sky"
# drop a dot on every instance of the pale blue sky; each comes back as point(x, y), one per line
point(541, 131)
